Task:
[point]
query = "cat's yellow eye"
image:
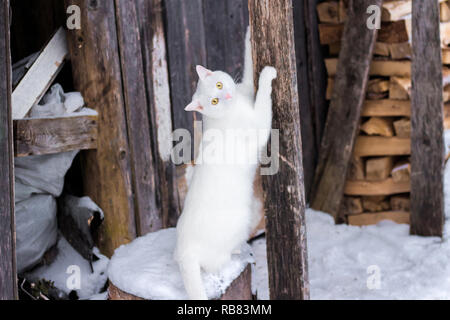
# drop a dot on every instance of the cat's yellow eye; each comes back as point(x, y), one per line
point(215, 101)
point(219, 85)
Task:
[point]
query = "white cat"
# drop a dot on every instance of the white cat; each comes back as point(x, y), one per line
point(220, 210)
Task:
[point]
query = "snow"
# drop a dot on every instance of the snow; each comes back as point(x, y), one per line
point(145, 268)
point(343, 259)
point(61, 271)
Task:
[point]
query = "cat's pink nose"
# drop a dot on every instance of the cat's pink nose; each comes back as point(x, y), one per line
point(228, 96)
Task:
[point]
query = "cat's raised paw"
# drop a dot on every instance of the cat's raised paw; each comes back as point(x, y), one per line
point(269, 73)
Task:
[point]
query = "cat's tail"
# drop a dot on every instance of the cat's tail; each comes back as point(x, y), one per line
point(190, 272)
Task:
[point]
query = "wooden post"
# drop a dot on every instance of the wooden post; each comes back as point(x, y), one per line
point(96, 67)
point(427, 145)
point(345, 109)
point(8, 282)
point(273, 45)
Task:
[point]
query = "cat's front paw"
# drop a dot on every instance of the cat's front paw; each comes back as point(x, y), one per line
point(269, 73)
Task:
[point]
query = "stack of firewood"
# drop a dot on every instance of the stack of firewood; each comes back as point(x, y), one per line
point(378, 182)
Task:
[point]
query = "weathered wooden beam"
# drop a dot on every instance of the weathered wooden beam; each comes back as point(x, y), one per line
point(345, 109)
point(376, 188)
point(97, 75)
point(148, 217)
point(153, 46)
point(8, 278)
point(273, 44)
point(54, 135)
point(186, 48)
point(427, 144)
point(382, 146)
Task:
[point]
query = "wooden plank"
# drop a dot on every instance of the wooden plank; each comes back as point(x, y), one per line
point(427, 142)
point(186, 49)
point(375, 188)
point(308, 121)
point(8, 278)
point(384, 68)
point(386, 108)
point(273, 44)
point(153, 46)
point(382, 146)
point(148, 215)
point(40, 76)
point(54, 135)
point(366, 219)
point(345, 109)
point(97, 75)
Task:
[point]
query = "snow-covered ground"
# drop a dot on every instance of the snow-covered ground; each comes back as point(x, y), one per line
point(346, 262)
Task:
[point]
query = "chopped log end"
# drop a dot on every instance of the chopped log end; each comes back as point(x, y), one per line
point(378, 126)
point(240, 289)
point(378, 169)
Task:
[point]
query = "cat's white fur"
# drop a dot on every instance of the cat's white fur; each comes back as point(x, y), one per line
point(220, 209)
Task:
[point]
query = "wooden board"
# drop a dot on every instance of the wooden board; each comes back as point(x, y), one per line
point(385, 68)
point(386, 108)
point(382, 146)
point(54, 135)
point(273, 45)
point(38, 79)
point(186, 49)
point(8, 278)
point(366, 219)
point(96, 69)
point(239, 289)
point(345, 109)
point(375, 188)
point(427, 142)
point(153, 46)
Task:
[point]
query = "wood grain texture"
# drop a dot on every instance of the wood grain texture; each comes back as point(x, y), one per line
point(8, 282)
point(54, 135)
point(273, 44)
point(386, 108)
point(345, 109)
point(186, 48)
point(427, 144)
point(143, 169)
point(153, 46)
point(239, 289)
point(97, 75)
point(376, 188)
point(382, 146)
point(367, 219)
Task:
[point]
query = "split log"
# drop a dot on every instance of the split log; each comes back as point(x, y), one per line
point(382, 146)
point(8, 277)
point(378, 85)
point(384, 68)
point(378, 169)
point(400, 50)
point(351, 205)
point(444, 12)
point(446, 55)
point(378, 126)
point(427, 142)
point(366, 219)
point(328, 12)
point(345, 109)
point(386, 108)
point(240, 289)
point(107, 175)
point(401, 172)
point(377, 89)
point(381, 49)
point(376, 204)
point(402, 128)
point(400, 203)
point(54, 135)
point(273, 45)
point(356, 169)
point(376, 188)
point(399, 88)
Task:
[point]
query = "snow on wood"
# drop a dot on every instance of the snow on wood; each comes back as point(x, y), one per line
point(40, 76)
point(145, 268)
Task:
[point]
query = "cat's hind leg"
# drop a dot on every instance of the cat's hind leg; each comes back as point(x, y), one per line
point(191, 274)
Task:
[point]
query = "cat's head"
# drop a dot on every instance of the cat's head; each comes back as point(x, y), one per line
point(214, 94)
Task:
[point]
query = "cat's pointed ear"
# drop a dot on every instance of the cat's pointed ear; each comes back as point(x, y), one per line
point(194, 106)
point(203, 72)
